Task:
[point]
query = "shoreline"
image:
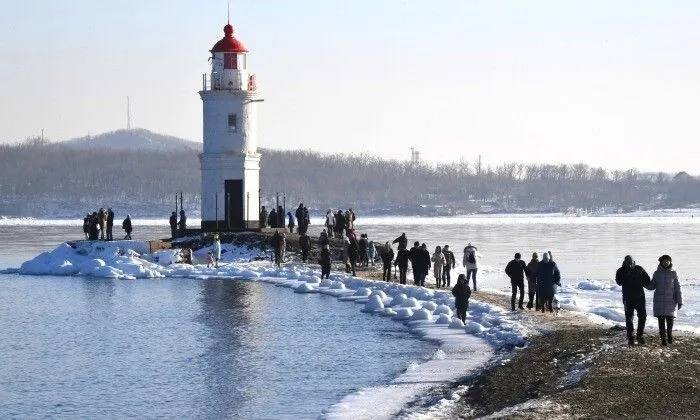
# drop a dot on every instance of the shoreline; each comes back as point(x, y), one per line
point(570, 367)
point(575, 367)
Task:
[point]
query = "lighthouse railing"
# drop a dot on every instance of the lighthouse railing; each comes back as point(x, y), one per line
point(213, 82)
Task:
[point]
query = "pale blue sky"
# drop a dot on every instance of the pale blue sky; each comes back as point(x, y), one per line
point(608, 83)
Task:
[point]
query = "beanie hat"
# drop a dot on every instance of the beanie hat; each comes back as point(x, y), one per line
point(665, 256)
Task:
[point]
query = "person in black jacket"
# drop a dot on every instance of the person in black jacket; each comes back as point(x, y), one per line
point(402, 241)
point(110, 224)
point(532, 282)
point(414, 257)
point(462, 292)
point(362, 246)
point(353, 254)
point(339, 224)
point(424, 263)
point(325, 261)
point(86, 226)
point(126, 225)
point(262, 221)
point(305, 245)
point(633, 279)
point(548, 278)
point(173, 224)
point(449, 265)
point(516, 270)
point(182, 224)
point(387, 255)
point(402, 258)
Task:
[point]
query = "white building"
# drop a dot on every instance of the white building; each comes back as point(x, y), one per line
point(229, 161)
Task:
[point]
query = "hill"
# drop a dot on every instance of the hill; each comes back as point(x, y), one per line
point(134, 139)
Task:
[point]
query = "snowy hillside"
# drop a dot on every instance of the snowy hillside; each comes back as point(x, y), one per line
point(135, 139)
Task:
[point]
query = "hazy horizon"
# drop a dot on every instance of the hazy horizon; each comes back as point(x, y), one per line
point(612, 85)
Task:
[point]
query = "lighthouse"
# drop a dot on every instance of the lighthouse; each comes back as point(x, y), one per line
point(229, 161)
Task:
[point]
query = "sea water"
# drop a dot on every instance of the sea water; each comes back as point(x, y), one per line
point(180, 348)
point(81, 347)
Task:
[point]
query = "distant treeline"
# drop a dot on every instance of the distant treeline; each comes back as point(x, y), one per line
point(37, 175)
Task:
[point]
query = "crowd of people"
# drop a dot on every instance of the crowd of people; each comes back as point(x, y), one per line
point(543, 275)
point(98, 225)
point(276, 219)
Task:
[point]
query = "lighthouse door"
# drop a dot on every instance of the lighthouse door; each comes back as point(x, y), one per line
point(234, 203)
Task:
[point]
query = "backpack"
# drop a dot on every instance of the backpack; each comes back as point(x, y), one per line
point(471, 258)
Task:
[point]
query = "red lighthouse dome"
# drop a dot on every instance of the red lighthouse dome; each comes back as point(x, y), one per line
point(229, 44)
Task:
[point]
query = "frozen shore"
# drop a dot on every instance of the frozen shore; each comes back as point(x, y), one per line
point(518, 365)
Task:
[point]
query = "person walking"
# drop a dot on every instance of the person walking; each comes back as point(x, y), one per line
point(173, 225)
point(516, 270)
point(387, 255)
point(449, 265)
point(532, 282)
point(462, 293)
point(402, 259)
point(305, 246)
point(325, 261)
point(470, 260)
point(126, 225)
point(667, 297)
point(110, 224)
point(633, 280)
point(439, 262)
point(547, 277)
point(217, 250)
point(278, 244)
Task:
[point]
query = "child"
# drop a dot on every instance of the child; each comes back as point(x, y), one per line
point(210, 259)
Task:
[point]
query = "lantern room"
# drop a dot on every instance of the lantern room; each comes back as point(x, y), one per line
point(229, 68)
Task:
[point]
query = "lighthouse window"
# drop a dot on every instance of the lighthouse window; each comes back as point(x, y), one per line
point(232, 123)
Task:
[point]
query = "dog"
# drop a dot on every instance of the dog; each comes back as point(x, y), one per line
point(555, 306)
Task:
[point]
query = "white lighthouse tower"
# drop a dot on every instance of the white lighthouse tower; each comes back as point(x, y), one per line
point(229, 161)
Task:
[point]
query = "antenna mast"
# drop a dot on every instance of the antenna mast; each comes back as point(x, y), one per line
point(229, 13)
point(128, 114)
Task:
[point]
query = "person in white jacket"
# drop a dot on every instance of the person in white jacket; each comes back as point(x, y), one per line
point(471, 262)
point(217, 250)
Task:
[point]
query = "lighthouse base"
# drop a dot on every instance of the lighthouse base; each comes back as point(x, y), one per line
point(230, 192)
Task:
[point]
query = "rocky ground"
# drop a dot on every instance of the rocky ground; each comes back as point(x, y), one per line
point(573, 368)
point(579, 369)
